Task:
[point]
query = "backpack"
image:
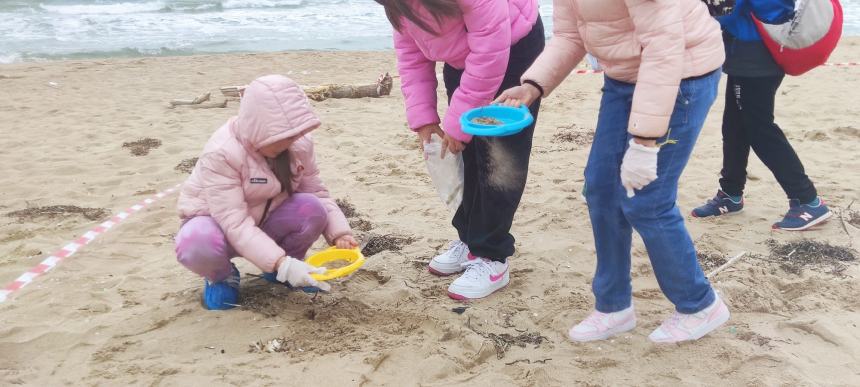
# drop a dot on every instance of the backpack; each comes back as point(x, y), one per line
point(807, 40)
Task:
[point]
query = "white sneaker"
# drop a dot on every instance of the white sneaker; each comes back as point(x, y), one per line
point(451, 261)
point(482, 278)
point(601, 326)
point(684, 327)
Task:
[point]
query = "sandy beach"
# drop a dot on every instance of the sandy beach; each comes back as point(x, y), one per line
point(123, 312)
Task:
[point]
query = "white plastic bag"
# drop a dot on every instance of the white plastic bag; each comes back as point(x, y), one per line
point(447, 173)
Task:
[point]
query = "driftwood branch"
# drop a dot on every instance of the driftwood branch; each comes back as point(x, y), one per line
point(196, 101)
point(201, 102)
point(210, 105)
point(726, 265)
point(381, 87)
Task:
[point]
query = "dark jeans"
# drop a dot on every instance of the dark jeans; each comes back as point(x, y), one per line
point(653, 212)
point(496, 167)
point(748, 123)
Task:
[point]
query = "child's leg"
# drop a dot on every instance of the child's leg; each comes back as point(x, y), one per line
point(297, 223)
point(612, 232)
point(496, 168)
point(736, 148)
point(757, 95)
point(202, 248)
point(653, 211)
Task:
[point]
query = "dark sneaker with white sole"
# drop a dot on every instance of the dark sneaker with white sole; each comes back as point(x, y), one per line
point(721, 204)
point(803, 216)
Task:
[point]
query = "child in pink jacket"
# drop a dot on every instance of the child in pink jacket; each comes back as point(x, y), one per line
point(486, 46)
point(661, 60)
point(256, 193)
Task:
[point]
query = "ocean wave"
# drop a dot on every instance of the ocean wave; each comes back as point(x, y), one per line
point(10, 58)
point(105, 9)
point(128, 52)
point(241, 4)
point(178, 6)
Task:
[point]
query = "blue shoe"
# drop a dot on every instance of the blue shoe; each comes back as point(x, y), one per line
point(273, 278)
point(222, 295)
point(720, 205)
point(803, 216)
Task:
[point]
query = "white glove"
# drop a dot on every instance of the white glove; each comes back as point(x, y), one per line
point(639, 167)
point(298, 274)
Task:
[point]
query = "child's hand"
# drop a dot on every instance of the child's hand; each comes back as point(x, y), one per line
point(452, 145)
point(425, 132)
point(345, 242)
point(518, 96)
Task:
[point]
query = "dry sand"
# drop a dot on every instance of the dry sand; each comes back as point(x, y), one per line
point(123, 312)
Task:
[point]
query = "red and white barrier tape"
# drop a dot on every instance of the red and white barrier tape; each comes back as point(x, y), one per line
point(72, 247)
point(843, 64)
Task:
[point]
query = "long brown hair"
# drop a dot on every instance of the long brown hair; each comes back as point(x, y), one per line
point(395, 9)
point(281, 169)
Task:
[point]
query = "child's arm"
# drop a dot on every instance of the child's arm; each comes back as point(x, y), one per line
point(489, 40)
point(417, 82)
point(563, 51)
point(222, 191)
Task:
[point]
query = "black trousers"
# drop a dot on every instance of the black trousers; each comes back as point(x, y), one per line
point(748, 123)
point(496, 168)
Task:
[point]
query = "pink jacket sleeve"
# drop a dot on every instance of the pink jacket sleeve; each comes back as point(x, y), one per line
point(489, 38)
point(222, 190)
point(660, 29)
point(337, 225)
point(417, 82)
point(563, 52)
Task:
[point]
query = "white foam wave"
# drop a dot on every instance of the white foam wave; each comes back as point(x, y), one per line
point(105, 9)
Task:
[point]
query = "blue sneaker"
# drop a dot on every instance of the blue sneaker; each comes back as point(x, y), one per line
point(720, 205)
point(222, 295)
point(273, 278)
point(803, 216)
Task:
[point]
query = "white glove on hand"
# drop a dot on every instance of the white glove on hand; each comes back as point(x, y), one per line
point(639, 167)
point(298, 274)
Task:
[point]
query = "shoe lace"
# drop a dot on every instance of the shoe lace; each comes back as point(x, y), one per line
point(456, 247)
point(476, 269)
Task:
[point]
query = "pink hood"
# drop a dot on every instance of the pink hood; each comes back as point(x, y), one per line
point(232, 181)
point(479, 41)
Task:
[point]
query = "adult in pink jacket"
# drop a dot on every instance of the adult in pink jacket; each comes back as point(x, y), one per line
point(256, 193)
point(485, 45)
point(661, 59)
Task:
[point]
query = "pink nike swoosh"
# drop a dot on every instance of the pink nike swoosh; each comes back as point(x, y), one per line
point(494, 278)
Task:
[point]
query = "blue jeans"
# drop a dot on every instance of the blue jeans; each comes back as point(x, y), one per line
point(653, 211)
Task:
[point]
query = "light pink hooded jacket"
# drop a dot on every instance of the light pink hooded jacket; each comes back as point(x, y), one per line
point(479, 41)
point(232, 181)
point(652, 43)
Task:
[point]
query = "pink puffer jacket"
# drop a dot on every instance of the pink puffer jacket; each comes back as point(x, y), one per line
point(232, 181)
point(653, 43)
point(478, 41)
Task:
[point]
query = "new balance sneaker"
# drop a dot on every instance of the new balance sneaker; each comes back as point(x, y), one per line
point(601, 326)
point(685, 327)
point(222, 295)
point(481, 278)
point(721, 204)
point(803, 216)
point(451, 261)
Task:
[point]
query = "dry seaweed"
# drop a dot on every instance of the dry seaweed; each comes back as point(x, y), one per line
point(389, 242)
point(143, 146)
point(186, 166)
